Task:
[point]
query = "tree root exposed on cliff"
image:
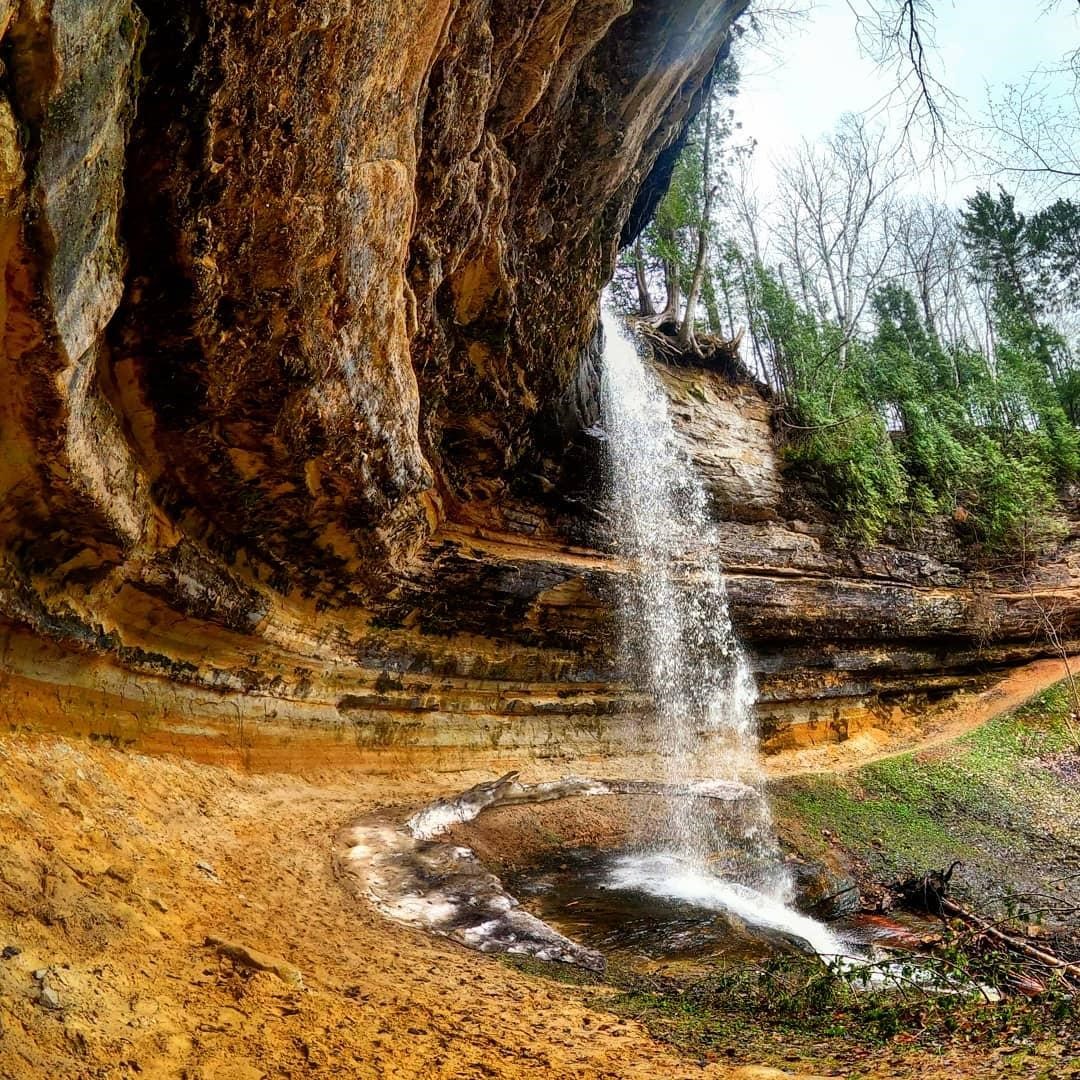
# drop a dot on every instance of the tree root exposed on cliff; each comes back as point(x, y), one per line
point(709, 351)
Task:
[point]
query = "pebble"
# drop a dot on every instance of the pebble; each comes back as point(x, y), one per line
point(208, 870)
point(49, 998)
point(9, 951)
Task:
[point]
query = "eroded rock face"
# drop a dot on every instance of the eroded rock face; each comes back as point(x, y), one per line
point(298, 362)
point(841, 636)
point(301, 279)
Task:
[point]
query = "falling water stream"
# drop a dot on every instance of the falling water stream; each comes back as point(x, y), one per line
point(678, 638)
point(701, 875)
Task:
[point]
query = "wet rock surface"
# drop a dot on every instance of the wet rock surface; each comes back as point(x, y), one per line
point(826, 891)
point(413, 875)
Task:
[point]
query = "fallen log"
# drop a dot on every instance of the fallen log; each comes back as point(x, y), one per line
point(930, 893)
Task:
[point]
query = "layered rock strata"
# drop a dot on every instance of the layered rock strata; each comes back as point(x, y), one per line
point(298, 369)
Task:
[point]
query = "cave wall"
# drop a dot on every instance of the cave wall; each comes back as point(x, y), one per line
point(289, 285)
point(299, 346)
point(290, 291)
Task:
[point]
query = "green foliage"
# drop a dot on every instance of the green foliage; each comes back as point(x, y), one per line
point(668, 246)
point(1054, 235)
point(832, 429)
point(795, 1011)
point(997, 237)
point(903, 420)
point(1034, 269)
point(989, 447)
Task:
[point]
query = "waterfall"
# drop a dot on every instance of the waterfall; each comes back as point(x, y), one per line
point(677, 634)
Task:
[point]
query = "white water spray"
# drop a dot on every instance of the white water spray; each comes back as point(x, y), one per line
point(679, 640)
point(677, 631)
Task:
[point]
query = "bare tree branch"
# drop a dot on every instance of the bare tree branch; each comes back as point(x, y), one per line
point(899, 36)
point(1032, 131)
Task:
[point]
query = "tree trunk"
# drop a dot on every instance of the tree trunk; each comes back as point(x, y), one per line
point(927, 305)
point(761, 369)
point(712, 306)
point(671, 294)
point(686, 330)
point(646, 308)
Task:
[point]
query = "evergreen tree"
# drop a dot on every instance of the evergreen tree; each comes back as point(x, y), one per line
point(924, 370)
point(675, 253)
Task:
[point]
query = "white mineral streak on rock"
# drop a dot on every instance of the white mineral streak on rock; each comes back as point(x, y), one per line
point(728, 790)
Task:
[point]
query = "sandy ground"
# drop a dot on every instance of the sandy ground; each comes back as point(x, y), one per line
point(115, 867)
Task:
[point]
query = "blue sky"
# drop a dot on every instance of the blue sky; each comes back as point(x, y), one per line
point(812, 72)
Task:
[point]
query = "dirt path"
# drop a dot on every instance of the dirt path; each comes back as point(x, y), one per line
point(961, 714)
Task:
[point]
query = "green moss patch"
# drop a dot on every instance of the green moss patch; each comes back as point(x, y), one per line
point(993, 799)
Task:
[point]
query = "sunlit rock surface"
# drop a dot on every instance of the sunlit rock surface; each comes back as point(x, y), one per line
point(298, 378)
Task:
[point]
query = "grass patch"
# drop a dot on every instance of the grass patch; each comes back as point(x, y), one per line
point(794, 1012)
point(987, 799)
point(568, 974)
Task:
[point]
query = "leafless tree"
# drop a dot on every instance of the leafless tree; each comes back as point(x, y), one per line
point(929, 258)
point(922, 241)
point(899, 35)
point(748, 213)
point(834, 200)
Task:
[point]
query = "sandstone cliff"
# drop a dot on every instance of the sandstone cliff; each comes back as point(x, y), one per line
point(298, 364)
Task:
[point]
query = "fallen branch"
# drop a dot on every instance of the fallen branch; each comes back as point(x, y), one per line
point(930, 893)
point(1041, 956)
point(257, 961)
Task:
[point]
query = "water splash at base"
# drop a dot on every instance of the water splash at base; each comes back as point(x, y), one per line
point(670, 877)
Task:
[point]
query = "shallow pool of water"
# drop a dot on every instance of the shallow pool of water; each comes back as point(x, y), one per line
point(658, 907)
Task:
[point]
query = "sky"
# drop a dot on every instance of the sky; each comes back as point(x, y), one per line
point(808, 74)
